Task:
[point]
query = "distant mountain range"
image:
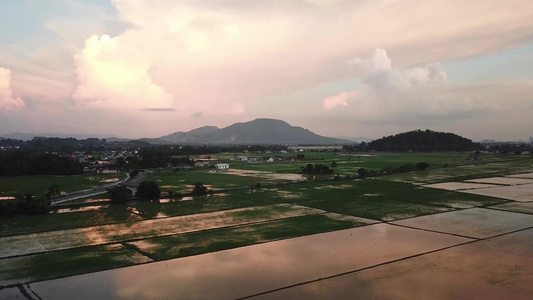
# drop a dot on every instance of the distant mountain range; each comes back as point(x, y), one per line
point(30, 136)
point(259, 131)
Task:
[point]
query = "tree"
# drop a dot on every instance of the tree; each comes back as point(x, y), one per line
point(53, 190)
point(421, 166)
point(120, 194)
point(148, 190)
point(333, 164)
point(317, 169)
point(121, 162)
point(363, 172)
point(199, 189)
point(32, 205)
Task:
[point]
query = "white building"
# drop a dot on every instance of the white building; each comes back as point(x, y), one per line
point(222, 166)
point(201, 164)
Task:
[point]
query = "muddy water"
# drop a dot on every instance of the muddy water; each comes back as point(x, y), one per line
point(78, 209)
point(267, 175)
point(474, 222)
point(516, 207)
point(502, 180)
point(497, 268)
point(250, 270)
point(521, 193)
point(458, 186)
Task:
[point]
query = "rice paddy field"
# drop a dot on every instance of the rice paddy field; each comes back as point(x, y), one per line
point(95, 235)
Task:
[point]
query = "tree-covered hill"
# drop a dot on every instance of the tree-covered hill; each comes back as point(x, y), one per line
point(423, 141)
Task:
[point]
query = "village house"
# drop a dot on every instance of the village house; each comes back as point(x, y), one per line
point(201, 164)
point(181, 167)
point(222, 166)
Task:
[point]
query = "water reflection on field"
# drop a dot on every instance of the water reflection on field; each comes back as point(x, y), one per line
point(78, 209)
point(250, 270)
point(491, 269)
point(266, 175)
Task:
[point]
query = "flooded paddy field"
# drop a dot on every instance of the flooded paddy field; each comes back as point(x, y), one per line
point(458, 186)
point(521, 193)
point(68, 262)
point(62, 263)
point(496, 268)
point(509, 187)
point(474, 170)
point(502, 180)
point(254, 269)
point(174, 246)
point(523, 207)
point(522, 175)
point(474, 222)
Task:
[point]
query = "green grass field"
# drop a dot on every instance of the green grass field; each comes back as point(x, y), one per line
point(38, 185)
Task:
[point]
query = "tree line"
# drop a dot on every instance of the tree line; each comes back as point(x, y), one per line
point(20, 163)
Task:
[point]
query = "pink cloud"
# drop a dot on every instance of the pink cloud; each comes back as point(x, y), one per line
point(330, 103)
point(7, 100)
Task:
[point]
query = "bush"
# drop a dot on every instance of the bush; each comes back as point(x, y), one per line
point(363, 172)
point(32, 205)
point(53, 190)
point(199, 189)
point(148, 190)
point(120, 194)
point(422, 166)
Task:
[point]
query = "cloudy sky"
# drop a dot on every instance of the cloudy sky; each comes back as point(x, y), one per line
point(146, 68)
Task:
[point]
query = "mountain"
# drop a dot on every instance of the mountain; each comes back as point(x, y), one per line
point(189, 136)
point(30, 136)
point(358, 139)
point(259, 131)
point(154, 141)
point(423, 141)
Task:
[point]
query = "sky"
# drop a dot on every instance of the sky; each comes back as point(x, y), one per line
point(353, 68)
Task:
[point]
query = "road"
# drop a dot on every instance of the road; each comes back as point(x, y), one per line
point(88, 192)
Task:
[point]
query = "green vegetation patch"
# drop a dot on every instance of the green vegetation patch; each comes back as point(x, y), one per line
point(376, 208)
point(67, 263)
point(200, 204)
point(97, 235)
point(183, 181)
point(474, 169)
point(227, 238)
point(348, 190)
point(24, 224)
point(375, 199)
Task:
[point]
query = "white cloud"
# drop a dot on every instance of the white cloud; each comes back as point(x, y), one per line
point(210, 55)
point(329, 103)
point(377, 72)
point(113, 75)
point(7, 100)
point(404, 95)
